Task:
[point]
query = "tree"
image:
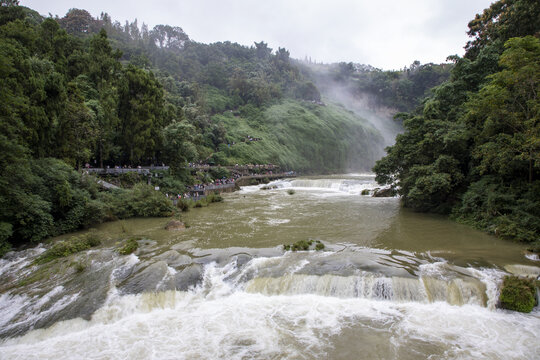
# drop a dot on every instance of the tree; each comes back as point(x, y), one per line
point(506, 114)
point(501, 21)
point(169, 37)
point(140, 111)
point(77, 21)
point(77, 130)
point(178, 144)
point(262, 50)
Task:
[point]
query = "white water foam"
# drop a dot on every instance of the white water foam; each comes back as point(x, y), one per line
point(19, 260)
point(178, 325)
point(533, 257)
point(219, 320)
point(17, 310)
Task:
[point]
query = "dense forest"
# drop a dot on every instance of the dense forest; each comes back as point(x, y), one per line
point(80, 90)
point(473, 149)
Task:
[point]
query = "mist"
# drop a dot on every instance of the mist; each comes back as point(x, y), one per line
point(365, 105)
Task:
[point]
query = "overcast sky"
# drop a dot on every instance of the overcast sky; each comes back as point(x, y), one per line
point(387, 34)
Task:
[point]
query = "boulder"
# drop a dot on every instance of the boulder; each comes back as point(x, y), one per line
point(387, 192)
point(145, 280)
point(174, 259)
point(191, 276)
point(175, 225)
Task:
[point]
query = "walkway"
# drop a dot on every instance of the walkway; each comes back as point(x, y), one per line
point(145, 170)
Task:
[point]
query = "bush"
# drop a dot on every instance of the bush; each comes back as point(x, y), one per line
point(65, 248)
point(518, 294)
point(129, 179)
point(219, 173)
point(183, 204)
point(129, 247)
point(304, 245)
point(535, 247)
point(141, 201)
point(147, 202)
point(212, 198)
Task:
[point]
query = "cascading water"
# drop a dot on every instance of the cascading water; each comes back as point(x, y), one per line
point(351, 186)
point(189, 296)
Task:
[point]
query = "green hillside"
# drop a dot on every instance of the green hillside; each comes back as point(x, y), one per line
point(299, 135)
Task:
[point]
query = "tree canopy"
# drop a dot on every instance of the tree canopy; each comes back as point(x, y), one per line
point(472, 150)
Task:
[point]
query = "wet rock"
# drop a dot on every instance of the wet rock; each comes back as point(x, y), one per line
point(189, 277)
point(146, 280)
point(532, 272)
point(175, 225)
point(174, 258)
point(388, 192)
point(242, 259)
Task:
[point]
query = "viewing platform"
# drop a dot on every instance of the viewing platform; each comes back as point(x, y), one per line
point(145, 170)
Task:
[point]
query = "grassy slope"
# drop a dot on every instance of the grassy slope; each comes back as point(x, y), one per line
point(301, 136)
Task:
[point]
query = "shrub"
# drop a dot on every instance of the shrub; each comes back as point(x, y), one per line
point(212, 198)
point(65, 248)
point(219, 173)
point(129, 179)
point(535, 247)
point(183, 204)
point(303, 245)
point(141, 201)
point(129, 247)
point(79, 266)
point(518, 294)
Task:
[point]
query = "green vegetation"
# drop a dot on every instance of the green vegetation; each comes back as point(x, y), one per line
point(186, 204)
point(79, 267)
point(518, 294)
point(287, 130)
point(291, 192)
point(304, 245)
point(78, 90)
point(401, 90)
point(535, 248)
point(473, 149)
point(141, 201)
point(68, 247)
point(131, 245)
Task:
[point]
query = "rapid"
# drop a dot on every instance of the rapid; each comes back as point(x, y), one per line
point(389, 284)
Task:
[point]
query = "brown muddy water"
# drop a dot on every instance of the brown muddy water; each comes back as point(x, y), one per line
point(390, 284)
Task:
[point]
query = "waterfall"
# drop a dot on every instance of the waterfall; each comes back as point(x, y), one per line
point(370, 286)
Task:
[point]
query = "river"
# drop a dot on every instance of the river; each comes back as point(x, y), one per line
point(390, 284)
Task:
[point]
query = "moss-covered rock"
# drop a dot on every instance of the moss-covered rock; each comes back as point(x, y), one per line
point(129, 247)
point(518, 294)
point(70, 246)
point(175, 225)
